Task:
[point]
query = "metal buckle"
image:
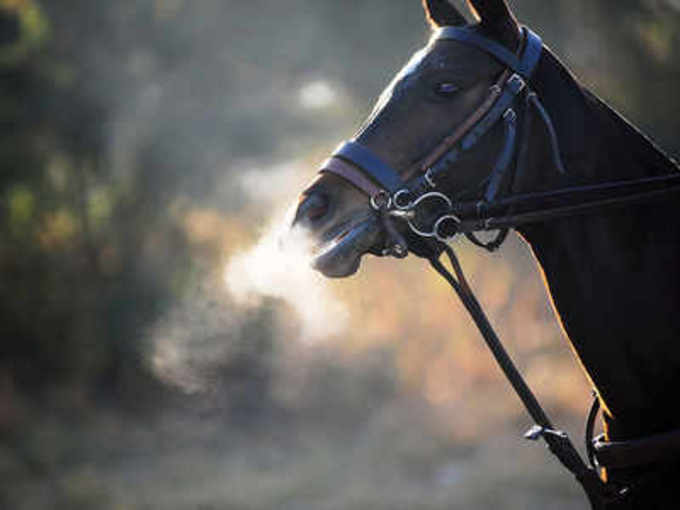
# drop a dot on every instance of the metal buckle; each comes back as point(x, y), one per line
point(515, 83)
point(510, 115)
point(381, 200)
point(429, 179)
point(396, 250)
point(536, 432)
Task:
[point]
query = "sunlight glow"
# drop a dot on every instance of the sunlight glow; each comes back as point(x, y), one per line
point(316, 95)
point(273, 184)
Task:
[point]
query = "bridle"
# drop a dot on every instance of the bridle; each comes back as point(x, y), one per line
point(414, 199)
point(361, 167)
point(433, 218)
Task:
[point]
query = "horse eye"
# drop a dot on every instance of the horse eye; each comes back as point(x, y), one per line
point(446, 88)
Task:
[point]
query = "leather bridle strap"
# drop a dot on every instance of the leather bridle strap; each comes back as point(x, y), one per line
point(477, 124)
point(524, 65)
point(599, 493)
point(350, 173)
point(501, 109)
point(447, 143)
point(668, 186)
point(371, 164)
point(637, 452)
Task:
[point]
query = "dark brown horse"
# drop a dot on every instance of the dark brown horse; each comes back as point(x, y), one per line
point(613, 274)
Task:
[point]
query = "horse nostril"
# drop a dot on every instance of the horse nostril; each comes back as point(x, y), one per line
point(313, 206)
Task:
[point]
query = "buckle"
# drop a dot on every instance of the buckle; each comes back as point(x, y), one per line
point(381, 200)
point(429, 178)
point(537, 432)
point(516, 83)
point(509, 115)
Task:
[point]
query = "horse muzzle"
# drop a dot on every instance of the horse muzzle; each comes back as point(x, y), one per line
point(338, 240)
point(340, 255)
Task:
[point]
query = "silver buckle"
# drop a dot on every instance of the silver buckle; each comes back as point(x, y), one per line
point(429, 178)
point(381, 200)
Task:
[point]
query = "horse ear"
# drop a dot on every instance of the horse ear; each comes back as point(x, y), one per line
point(442, 13)
point(497, 20)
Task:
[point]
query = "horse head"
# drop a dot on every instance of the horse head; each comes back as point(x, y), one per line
point(433, 130)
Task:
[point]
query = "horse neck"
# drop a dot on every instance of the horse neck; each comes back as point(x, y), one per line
point(613, 277)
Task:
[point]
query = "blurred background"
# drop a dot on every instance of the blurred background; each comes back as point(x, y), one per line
point(157, 351)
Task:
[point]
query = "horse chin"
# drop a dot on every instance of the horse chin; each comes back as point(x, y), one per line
point(338, 269)
point(341, 255)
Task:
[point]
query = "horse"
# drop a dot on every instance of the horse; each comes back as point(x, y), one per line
point(485, 129)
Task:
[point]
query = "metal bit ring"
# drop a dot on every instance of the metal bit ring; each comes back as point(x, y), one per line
point(381, 200)
point(442, 222)
point(396, 200)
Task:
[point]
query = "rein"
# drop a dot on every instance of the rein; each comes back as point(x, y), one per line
point(435, 218)
point(573, 201)
point(558, 442)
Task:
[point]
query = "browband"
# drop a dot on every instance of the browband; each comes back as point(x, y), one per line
point(523, 66)
point(362, 168)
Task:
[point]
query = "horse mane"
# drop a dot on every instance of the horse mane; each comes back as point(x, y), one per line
point(628, 141)
point(592, 131)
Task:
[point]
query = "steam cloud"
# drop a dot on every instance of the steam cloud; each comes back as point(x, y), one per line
point(279, 267)
point(203, 329)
